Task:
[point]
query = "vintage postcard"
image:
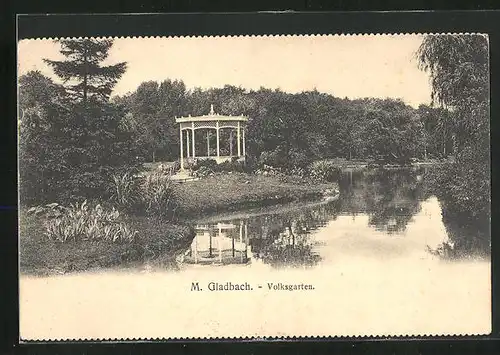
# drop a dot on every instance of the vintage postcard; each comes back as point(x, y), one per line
point(254, 187)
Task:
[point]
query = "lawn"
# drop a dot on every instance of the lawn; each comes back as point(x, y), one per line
point(232, 191)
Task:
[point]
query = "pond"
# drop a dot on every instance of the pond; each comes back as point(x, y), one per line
point(379, 213)
point(379, 259)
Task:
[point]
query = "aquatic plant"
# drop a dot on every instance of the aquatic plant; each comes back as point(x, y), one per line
point(124, 190)
point(83, 222)
point(156, 193)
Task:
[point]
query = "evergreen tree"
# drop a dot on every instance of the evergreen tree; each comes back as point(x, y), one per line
point(96, 143)
point(82, 71)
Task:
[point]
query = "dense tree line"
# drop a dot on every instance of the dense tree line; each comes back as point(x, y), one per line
point(291, 129)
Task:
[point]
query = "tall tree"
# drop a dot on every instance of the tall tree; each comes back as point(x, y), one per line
point(96, 144)
point(82, 71)
point(42, 136)
point(459, 70)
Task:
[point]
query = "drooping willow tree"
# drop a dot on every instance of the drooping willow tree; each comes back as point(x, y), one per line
point(459, 69)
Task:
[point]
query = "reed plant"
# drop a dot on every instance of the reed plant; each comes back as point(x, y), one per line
point(124, 190)
point(156, 193)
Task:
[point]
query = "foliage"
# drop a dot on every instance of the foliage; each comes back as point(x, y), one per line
point(210, 164)
point(158, 241)
point(460, 79)
point(324, 170)
point(285, 130)
point(231, 166)
point(71, 138)
point(42, 136)
point(124, 192)
point(156, 193)
point(437, 131)
point(83, 222)
point(206, 167)
point(152, 109)
point(50, 210)
point(151, 194)
point(84, 77)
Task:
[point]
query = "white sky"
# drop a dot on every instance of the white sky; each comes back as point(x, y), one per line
point(346, 66)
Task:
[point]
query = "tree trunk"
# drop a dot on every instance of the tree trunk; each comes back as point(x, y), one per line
point(154, 156)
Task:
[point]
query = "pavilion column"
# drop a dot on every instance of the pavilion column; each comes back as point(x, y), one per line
point(217, 131)
point(243, 132)
point(208, 143)
point(239, 140)
point(246, 239)
point(182, 147)
point(231, 142)
point(192, 126)
point(187, 143)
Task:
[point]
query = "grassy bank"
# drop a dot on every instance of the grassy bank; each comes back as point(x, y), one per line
point(227, 192)
point(156, 241)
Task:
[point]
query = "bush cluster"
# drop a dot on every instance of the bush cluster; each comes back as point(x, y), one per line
point(206, 167)
point(150, 194)
point(84, 222)
point(324, 170)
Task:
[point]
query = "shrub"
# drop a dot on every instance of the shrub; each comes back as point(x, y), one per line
point(205, 163)
point(176, 166)
point(124, 190)
point(203, 171)
point(152, 193)
point(324, 170)
point(51, 210)
point(156, 194)
point(271, 158)
point(231, 166)
point(82, 222)
point(205, 167)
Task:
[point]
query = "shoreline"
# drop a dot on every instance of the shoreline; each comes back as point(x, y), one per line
point(160, 241)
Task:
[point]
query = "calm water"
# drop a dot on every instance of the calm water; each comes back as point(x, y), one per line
point(379, 214)
point(378, 258)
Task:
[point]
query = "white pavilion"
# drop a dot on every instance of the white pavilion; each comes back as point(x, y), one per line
point(213, 121)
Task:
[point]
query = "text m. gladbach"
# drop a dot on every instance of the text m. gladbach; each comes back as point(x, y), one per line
point(229, 286)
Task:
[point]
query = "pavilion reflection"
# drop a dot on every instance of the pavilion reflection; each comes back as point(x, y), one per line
point(219, 243)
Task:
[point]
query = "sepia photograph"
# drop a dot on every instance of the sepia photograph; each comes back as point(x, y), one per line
point(254, 186)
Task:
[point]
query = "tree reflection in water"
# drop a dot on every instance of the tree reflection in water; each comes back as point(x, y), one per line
point(391, 197)
point(286, 239)
point(288, 249)
point(467, 239)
